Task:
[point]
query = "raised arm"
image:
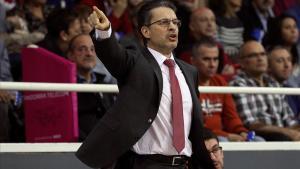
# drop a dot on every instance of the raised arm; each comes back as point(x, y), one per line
point(117, 59)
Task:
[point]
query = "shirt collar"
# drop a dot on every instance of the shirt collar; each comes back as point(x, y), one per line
point(160, 58)
point(81, 79)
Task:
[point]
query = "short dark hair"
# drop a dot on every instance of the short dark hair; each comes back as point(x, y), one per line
point(60, 20)
point(144, 14)
point(204, 41)
point(208, 134)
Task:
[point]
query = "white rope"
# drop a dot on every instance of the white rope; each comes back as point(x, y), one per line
point(20, 86)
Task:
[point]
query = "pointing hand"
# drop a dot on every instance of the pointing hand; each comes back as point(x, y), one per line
point(98, 20)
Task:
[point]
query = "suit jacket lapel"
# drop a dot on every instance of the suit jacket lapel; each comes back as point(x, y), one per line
point(156, 69)
point(190, 82)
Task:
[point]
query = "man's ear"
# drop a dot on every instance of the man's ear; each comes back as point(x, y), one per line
point(145, 32)
point(63, 35)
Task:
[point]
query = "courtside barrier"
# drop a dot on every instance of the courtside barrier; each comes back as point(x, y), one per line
point(113, 88)
point(246, 155)
point(72, 147)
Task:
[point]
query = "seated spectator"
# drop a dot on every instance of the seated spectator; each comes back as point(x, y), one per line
point(283, 31)
point(287, 35)
point(295, 12)
point(35, 14)
point(212, 145)
point(133, 39)
point(26, 24)
point(219, 110)
point(280, 68)
point(255, 17)
point(230, 28)
point(3, 25)
point(83, 12)
point(91, 106)
point(203, 24)
point(267, 114)
point(6, 97)
point(62, 25)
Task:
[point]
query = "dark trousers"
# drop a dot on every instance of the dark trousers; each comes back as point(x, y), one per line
point(274, 136)
point(131, 160)
point(4, 123)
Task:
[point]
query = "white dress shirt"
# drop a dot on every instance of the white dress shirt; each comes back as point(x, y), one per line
point(158, 138)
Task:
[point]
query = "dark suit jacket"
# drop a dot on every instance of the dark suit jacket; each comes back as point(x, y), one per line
point(251, 22)
point(140, 85)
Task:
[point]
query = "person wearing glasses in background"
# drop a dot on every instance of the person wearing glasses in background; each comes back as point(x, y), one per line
point(213, 147)
point(155, 122)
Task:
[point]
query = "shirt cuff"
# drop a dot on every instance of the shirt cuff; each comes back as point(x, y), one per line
point(99, 35)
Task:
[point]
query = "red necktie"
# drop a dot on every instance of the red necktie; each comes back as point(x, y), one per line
point(177, 111)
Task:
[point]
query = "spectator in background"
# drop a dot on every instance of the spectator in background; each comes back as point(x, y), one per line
point(2, 19)
point(119, 17)
point(83, 12)
point(280, 68)
point(267, 114)
point(133, 39)
point(6, 97)
point(26, 25)
point(213, 147)
point(295, 12)
point(185, 9)
point(203, 24)
point(35, 13)
point(230, 28)
point(287, 35)
point(283, 31)
point(219, 110)
point(91, 106)
point(62, 25)
point(255, 18)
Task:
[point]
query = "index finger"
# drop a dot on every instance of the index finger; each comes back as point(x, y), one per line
point(98, 11)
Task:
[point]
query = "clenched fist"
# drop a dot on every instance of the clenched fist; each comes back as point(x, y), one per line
point(98, 20)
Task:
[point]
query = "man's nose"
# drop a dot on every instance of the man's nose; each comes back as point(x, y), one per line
point(172, 25)
point(212, 156)
point(89, 52)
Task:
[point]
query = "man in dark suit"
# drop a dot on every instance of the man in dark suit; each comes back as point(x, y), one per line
point(139, 128)
point(255, 16)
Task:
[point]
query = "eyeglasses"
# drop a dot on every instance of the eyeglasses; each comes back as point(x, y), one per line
point(215, 150)
point(166, 22)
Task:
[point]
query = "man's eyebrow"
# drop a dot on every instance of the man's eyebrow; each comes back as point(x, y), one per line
point(215, 146)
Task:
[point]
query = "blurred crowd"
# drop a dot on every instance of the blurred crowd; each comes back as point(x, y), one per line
point(246, 43)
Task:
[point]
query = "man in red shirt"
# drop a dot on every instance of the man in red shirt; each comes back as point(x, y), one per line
point(219, 110)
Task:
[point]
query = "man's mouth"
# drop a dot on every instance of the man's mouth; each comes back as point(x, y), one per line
point(173, 37)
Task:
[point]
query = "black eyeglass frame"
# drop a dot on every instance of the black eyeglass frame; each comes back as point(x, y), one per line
point(215, 150)
point(166, 22)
